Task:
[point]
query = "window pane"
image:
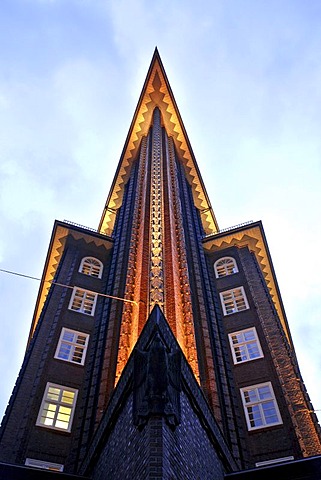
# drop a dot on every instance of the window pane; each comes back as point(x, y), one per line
point(64, 351)
point(264, 392)
point(81, 339)
point(48, 414)
point(240, 353)
point(253, 350)
point(53, 393)
point(67, 396)
point(270, 414)
point(249, 335)
point(251, 396)
point(68, 336)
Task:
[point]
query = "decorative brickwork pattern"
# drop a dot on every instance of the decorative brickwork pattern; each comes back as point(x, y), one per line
point(302, 415)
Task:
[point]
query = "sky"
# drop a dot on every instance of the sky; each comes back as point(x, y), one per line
point(246, 75)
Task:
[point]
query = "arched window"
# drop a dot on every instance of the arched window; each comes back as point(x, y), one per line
point(91, 266)
point(225, 266)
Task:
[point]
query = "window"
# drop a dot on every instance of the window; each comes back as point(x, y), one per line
point(57, 407)
point(72, 346)
point(225, 266)
point(234, 300)
point(245, 345)
point(55, 467)
point(260, 406)
point(83, 301)
point(91, 266)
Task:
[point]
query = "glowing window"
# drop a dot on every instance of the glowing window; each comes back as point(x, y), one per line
point(260, 407)
point(55, 467)
point(245, 345)
point(234, 301)
point(57, 407)
point(91, 266)
point(72, 346)
point(225, 266)
point(83, 301)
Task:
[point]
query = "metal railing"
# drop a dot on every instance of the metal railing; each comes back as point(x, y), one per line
point(83, 226)
point(227, 229)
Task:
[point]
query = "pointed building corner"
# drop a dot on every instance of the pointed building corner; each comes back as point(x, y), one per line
point(155, 402)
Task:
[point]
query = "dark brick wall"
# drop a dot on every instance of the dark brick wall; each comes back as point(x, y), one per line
point(158, 452)
point(215, 371)
point(270, 442)
point(20, 437)
point(195, 449)
point(126, 453)
point(188, 451)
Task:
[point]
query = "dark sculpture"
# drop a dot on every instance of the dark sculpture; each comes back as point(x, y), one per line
point(156, 383)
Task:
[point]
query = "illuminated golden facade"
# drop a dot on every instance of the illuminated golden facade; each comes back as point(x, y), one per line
point(158, 245)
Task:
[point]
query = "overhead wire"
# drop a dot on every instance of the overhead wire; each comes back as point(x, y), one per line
point(66, 286)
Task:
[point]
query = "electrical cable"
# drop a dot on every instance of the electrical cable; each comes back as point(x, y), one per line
point(66, 286)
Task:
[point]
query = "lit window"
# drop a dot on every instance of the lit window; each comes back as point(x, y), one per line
point(245, 345)
point(261, 409)
point(57, 407)
point(225, 266)
point(55, 467)
point(83, 301)
point(91, 266)
point(234, 300)
point(72, 346)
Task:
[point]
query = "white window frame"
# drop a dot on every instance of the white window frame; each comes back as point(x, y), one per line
point(33, 462)
point(74, 348)
point(258, 403)
point(61, 407)
point(92, 266)
point(228, 264)
point(82, 296)
point(233, 296)
point(244, 345)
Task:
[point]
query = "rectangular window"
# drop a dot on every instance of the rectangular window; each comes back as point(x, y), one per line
point(260, 407)
point(72, 346)
point(83, 301)
point(57, 407)
point(245, 345)
point(55, 467)
point(234, 301)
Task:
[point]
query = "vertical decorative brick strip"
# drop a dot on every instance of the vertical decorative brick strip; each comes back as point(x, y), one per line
point(129, 329)
point(104, 374)
point(299, 406)
point(201, 321)
point(179, 309)
point(156, 288)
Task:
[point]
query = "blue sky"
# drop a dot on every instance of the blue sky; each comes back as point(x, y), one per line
point(247, 79)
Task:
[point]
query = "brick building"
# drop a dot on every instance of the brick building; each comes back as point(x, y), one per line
point(159, 346)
